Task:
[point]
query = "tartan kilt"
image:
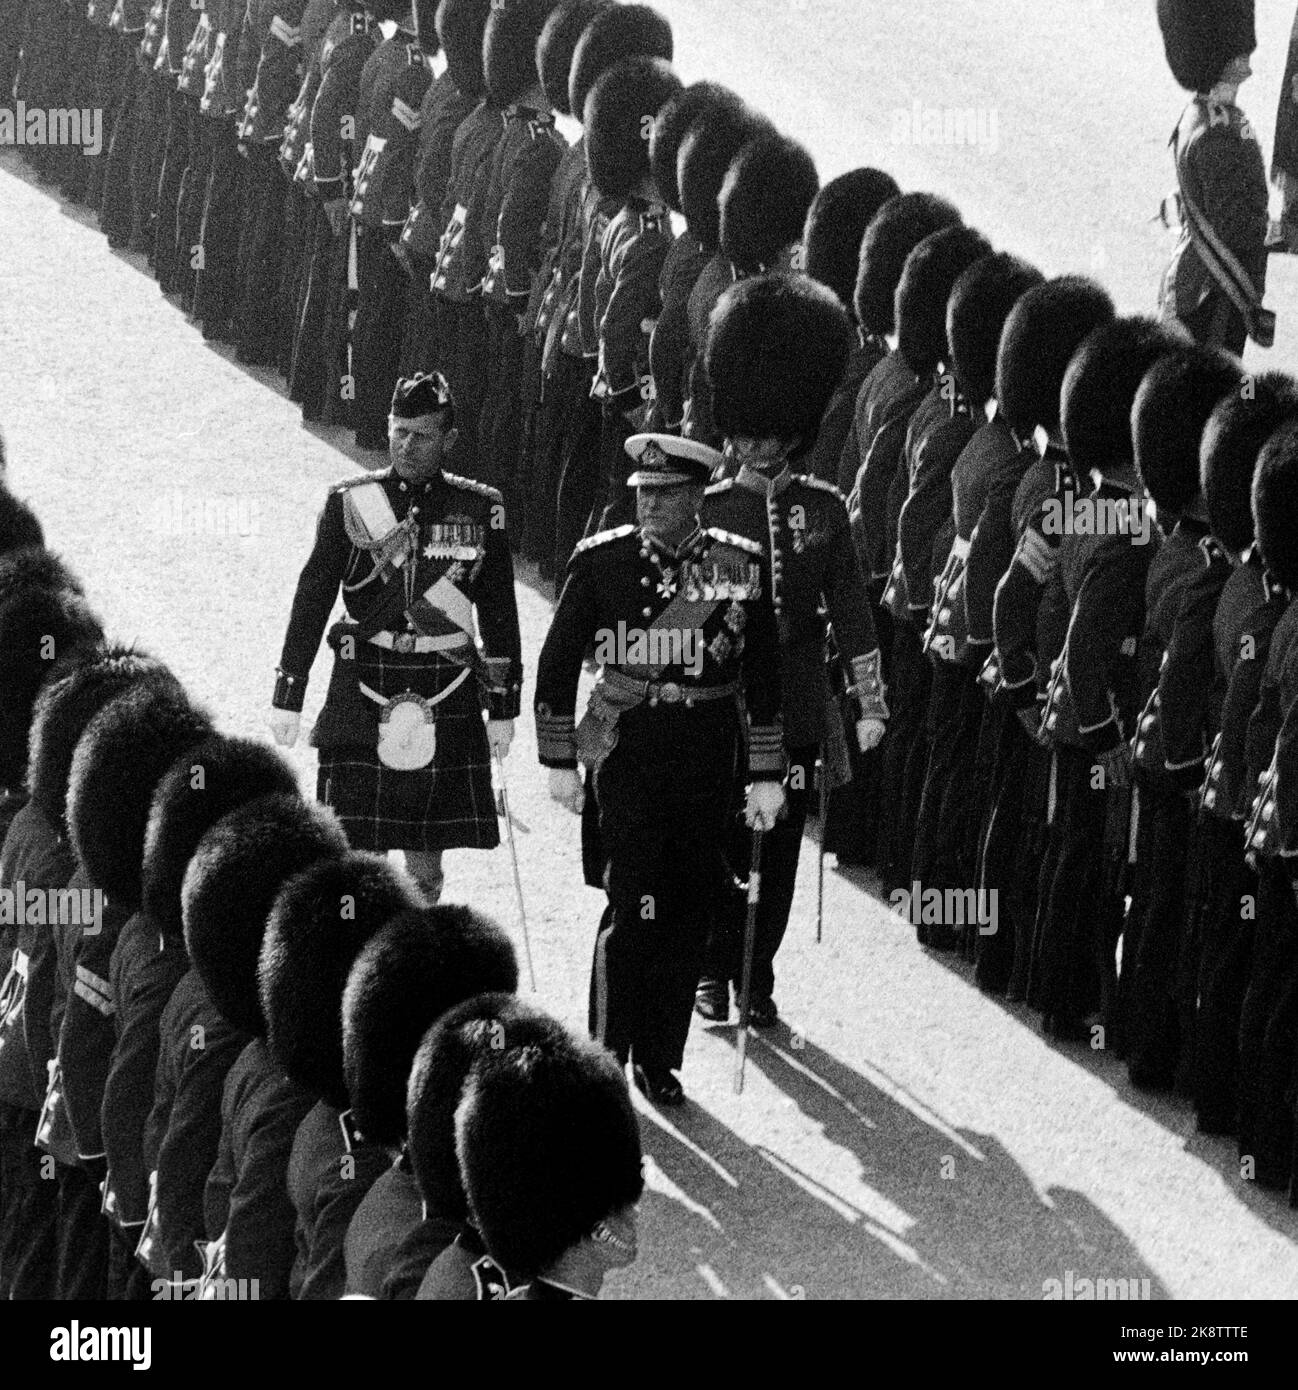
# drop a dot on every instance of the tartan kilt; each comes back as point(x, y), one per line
point(450, 804)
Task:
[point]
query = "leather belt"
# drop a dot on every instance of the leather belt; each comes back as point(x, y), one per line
point(407, 642)
point(668, 692)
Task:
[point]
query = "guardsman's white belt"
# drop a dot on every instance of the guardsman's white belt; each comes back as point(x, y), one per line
point(408, 642)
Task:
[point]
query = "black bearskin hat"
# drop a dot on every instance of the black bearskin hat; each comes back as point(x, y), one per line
point(897, 229)
point(33, 567)
point(230, 885)
point(931, 272)
point(387, 9)
point(1100, 389)
point(1200, 37)
point(1179, 392)
point(116, 769)
point(708, 150)
point(558, 42)
point(672, 126)
point(426, 26)
point(975, 317)
point(1232, 440)
point(424, 962)
point(836, 227)
point(767, 193)
point(19, 525)
point(64, 710)
point(314, 933)
point(1275, 504)
point(621, 106)
point(615, 34)
point(43, 633)
point(509, 47)
point(461, 25)
point(491, 1023)
point(209, 781)
point(1044, 329)
point(549, 1146)
point(776, 351)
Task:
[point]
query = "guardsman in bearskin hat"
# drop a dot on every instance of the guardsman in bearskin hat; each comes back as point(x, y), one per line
point(945, 854)
point(669, 342)
point(1251, 606)
point(443, 1257)
point(621, 106)
point(320, 367)
point(831, 253)
point(45, 635)
point(918, 502)
point(1186, 577)
point(447, 104)
point(514, 208)
point(421, 965)
point(614, 34)
point(1266, 1059)
point(118, 764)
point(1215, 283)
point(777, 349)
point(1044, 330)
point(393, 85)
point(316, 929)
point(550, 1154)
point(682, 621)
point(205, 784)
point(417, 551)
point(1092, 616)
point(233, 880)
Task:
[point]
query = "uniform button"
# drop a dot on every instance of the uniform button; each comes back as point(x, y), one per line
point(1140, 747)
point(647, 612)
point(644, 579)
point(1268, 811)
point(944, 616)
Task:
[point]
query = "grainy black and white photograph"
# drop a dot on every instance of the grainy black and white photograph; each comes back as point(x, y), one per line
point(648, 652)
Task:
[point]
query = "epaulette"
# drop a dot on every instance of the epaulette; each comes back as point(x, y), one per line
point(723, 485)
point(359, 23)
point(602, 538)
point(380, 475)
point(469, 485)
point(820, 485)
point(737, 542)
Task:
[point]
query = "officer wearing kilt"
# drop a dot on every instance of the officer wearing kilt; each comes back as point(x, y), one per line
point(682, 621)
point(404, 757)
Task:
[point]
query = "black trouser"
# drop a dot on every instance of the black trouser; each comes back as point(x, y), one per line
point(665, 795)
point(1008, 819)
point(83, 60)
point(780, 850)
point(115, 195)
point(13, 19)
point(175, 160)
point(421, 350)
point(909, 687)
point(321, 361)
point(536, 489)
point(128, 1280)
point(216, 284)
point(465, 367)
point(189, 206)
point(106, 98)
point(261, 252)
point(83, 1235)
point(1267, 1032)
point(43, 75)
point(1228, 917)
point(499, 422)
point(376, 343)
point(299, 222)
point(1152, 1025)
point(579, 479)
point(618, 506)
point(147, 160)
point(30, 1210)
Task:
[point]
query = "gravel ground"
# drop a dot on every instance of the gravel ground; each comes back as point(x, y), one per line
point(901, 1135)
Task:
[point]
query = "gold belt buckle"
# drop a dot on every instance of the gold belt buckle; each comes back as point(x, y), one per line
point(670, 693)
point(404, 643)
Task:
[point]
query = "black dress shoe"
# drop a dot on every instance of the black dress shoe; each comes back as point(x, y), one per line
point(762, 1013)
point(712, 1001)
point(658, 1085)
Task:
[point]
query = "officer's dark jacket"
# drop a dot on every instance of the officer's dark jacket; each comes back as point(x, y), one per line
point(523, 166)
point(464, 248)
point(349, 42)
point(278, 25)
point(246, 1198)
point(971, 486)
point(669, 345)
point(389, 1211)
point(627, 300)
point(477, 514)
point(811, 567)
point(146, 968)
point(385, 177)
point(612, 579)
point(888, 399)
point(198, 1048)
point(838, 427)
point(1095, 700)
point(443, 110)
point(330, 1169)
point(1251, 606)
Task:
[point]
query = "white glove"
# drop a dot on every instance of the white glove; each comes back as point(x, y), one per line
point(500, 735)
point(869, 733)
point(765, 802)
point(284, 724)
point(567, 790)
